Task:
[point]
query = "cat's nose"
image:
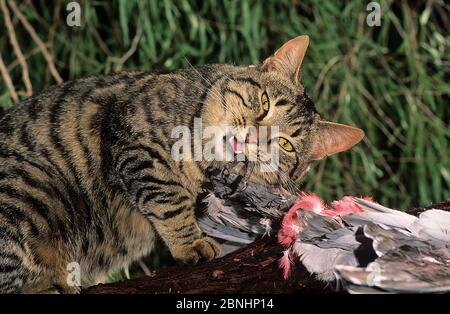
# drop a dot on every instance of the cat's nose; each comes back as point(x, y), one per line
point(247, 136)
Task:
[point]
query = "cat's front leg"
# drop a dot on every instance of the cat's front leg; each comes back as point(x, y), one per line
point(160, 196)
point(177, 225)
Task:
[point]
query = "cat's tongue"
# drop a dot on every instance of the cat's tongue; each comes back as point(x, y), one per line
point(236, 145)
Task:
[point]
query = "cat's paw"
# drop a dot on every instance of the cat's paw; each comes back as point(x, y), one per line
point(207, 248)
point(204, 248)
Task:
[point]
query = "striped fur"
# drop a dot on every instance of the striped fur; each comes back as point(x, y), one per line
point(86, 173)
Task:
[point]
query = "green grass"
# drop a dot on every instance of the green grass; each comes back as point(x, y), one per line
point(392, 80)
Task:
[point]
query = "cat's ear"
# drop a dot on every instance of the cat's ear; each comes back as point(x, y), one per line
point(289, 58)
point(332, 138)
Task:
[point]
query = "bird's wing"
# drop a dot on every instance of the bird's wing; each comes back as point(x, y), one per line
point(379, 214)
point(324, 243)
point(405, 263)
point(220, 230)
point(228, 223)
point(398, 271)
point(322, 261)
point(433, 224)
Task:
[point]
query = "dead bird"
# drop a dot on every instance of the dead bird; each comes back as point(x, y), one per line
point(364, 245)
point(368, 247)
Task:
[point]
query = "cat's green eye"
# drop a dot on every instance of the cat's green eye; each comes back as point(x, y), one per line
point(265, 104)
point(285, 144)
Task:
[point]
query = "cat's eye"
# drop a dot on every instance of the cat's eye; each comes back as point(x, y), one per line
point(285, 144)
point(265, 103)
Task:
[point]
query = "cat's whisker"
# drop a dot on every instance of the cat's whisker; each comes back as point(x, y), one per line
point(217, 95)
point(235, 111)
point(212, 90)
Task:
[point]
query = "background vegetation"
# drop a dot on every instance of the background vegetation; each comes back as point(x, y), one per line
point(391, 80)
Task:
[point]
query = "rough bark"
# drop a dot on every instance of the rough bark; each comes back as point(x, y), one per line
point(252, 269)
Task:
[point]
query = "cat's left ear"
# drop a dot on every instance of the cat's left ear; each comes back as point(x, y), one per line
point(289, 58)
point(332, 138)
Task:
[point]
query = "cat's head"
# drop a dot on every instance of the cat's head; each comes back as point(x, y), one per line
point(246, 99)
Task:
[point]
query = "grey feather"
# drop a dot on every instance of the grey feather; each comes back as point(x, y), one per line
point(237, 212)
point(322, 261)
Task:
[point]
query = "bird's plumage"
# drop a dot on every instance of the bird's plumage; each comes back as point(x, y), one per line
point(368, 247)
point(237, 212)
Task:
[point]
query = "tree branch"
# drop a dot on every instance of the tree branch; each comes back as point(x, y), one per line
point(131, 51)
point(16, 47)
point(8, 82)
point(252, 269)
point(48, 57)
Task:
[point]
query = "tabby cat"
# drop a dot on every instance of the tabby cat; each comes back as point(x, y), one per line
point(87, 176)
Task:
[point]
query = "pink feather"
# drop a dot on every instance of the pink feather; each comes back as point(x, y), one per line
point(345, 206)
point(285, 263)
point(290, 227)
point(311, 202)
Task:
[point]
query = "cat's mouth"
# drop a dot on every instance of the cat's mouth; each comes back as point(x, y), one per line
point(245, 152)
point(237, 146)
point(241, 146)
